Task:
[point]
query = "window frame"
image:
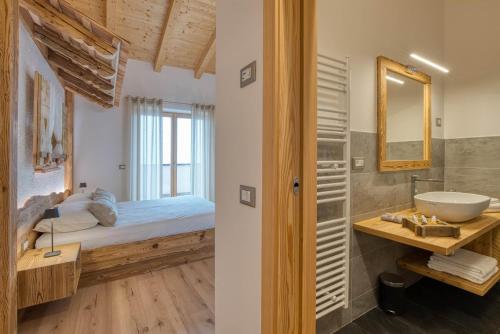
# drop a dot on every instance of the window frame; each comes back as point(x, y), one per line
point(174, 116)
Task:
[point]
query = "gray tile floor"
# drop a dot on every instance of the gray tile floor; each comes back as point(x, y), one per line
point(434, 307)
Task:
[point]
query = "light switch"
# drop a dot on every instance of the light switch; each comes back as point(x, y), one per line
point(248, 74)
point(438, 122)
point(247, 196)
point(358, 163)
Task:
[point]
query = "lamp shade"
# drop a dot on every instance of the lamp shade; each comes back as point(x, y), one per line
point(51, 213)
point(83, 185)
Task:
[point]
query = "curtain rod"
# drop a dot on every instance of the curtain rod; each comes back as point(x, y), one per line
point(163, 100)
point(175, 102)
point(172, 102)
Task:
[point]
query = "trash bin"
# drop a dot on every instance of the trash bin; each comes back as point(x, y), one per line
point(391, 293)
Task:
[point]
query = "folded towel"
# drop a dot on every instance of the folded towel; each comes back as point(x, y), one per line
point(437, 262)
point(460, 272)
point(472, 278)
point(472, 261)
point(494, 206)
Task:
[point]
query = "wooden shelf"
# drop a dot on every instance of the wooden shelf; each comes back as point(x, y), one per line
point(470, 231)
point(417, 262)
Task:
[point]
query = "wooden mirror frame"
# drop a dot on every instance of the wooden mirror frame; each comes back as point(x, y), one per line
point(383, 65)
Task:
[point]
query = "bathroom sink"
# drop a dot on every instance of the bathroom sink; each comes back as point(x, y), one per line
point(451, 207)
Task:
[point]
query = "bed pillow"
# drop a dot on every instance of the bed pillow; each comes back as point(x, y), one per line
point(78, 197)
point(105, 211)
point(101, 193)
point(66, 208)
point(70, 222)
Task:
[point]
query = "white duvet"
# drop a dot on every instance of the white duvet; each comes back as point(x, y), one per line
point(143, 220)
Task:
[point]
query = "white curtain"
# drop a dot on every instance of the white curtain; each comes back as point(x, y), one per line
point(145, 148)
point(203, 151)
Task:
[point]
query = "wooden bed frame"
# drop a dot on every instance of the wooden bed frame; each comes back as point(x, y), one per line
point(118, 261)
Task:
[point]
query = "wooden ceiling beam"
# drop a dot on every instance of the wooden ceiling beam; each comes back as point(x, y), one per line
point(65, 49)
point(78, 71)
point(206, 57)
point(69, 78)
point(45, 11)
point(172, 12)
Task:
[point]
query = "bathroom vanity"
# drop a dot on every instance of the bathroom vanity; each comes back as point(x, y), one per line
point(481, 235)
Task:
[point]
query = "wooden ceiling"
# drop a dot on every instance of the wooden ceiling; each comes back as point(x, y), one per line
point(178, 33)
point(88, 59)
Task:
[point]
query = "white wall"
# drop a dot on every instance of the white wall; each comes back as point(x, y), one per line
point(101, 136)
point(365, 29)
point(30, 183)
point(472, 89)
point(238, 162)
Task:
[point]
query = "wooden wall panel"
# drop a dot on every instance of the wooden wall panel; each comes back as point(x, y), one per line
point(8, 179)
point(289, 219)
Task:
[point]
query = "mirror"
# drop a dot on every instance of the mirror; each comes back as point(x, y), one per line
point(404, 115)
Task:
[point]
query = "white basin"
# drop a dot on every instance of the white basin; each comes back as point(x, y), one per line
point(451, 207)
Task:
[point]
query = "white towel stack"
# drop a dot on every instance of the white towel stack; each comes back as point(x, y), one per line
point(471, 266)
point(494, 205)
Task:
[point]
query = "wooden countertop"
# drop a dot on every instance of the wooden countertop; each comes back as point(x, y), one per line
point(470, 230)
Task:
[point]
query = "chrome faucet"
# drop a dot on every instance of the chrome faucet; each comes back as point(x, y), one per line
point(414, 180)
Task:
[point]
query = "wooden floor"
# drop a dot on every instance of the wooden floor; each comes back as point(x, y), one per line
point(174, 300)
point(435, 308)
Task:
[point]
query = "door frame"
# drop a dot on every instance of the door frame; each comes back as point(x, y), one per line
point(9, 27)
point(290, 150)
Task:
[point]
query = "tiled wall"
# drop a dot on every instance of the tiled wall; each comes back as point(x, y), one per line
point(405, 150)
point(473, 165)
point(374, 193)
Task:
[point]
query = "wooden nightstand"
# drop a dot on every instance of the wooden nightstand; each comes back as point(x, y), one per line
point(41, 280)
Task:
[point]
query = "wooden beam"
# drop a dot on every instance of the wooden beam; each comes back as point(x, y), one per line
point(65, 49)
point(206, 57)
point(67, 25)
point(78, 90)
point(69, 78)
point(77, 70)
point(69, 103)
point(172, 12)
point(9, 44)
point(111, 7)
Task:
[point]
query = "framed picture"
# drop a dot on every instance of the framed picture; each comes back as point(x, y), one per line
point(48, 126)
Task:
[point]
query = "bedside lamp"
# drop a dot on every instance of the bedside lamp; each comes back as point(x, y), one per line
point(83, 185)
point(51, 214)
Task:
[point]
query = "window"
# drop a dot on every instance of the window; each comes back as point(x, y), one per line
point(176, 161)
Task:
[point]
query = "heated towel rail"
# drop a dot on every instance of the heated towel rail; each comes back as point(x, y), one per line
point(333, 232)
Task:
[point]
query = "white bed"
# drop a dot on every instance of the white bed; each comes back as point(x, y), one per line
point(143, 220)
